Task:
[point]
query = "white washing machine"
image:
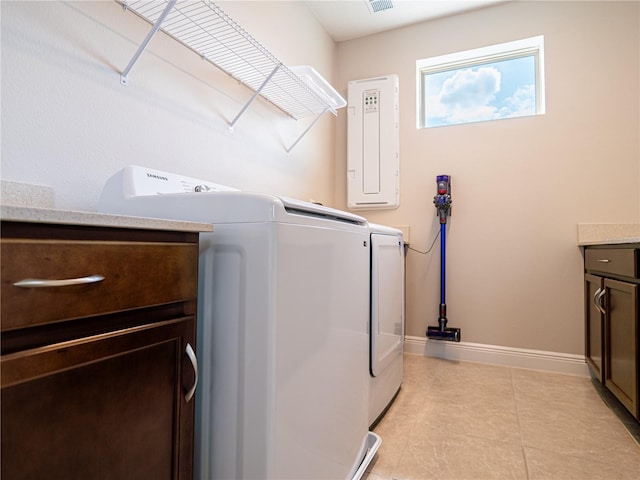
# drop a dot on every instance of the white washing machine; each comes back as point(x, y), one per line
point(282, 327)
point(387, 318)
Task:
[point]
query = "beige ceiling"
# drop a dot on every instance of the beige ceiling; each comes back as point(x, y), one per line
point(349, 19)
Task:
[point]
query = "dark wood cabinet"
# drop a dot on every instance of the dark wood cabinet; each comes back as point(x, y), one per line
point(612, 308)
point(621, 342)
point(594, 328)
point(97, 377)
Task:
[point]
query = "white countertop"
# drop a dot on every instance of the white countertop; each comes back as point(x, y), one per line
point(23, 202)
point(70, 217)
point(608, 233)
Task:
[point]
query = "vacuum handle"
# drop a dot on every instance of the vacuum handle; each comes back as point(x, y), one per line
point(442, 199)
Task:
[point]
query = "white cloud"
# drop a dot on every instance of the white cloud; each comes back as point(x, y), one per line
point(470, 95)
point(466, 96)
point(470, 88)
point(521, 103)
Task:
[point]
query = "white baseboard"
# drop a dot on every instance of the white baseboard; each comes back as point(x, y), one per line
point(555, 362)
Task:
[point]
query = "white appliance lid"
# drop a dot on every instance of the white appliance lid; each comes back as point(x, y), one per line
point(144, 191)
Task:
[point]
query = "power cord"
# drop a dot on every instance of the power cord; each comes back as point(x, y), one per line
point(430, 248)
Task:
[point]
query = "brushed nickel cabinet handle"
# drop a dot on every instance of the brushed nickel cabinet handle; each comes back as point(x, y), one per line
point(603, 260)
point(595, 299)
point(599, 304)
point(41, 283)
point(194, 363)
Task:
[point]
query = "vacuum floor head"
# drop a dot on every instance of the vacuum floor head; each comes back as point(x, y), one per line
point(448, 334)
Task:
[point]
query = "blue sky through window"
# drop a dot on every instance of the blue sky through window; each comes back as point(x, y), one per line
point(503, 89)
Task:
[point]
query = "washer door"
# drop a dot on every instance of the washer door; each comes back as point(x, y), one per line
point(387, 300)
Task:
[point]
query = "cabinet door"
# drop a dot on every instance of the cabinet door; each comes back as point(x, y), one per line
point(594, 326)
point(111, 406)
point(621, 337)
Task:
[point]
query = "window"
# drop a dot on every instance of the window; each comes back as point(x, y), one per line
point(490, 83)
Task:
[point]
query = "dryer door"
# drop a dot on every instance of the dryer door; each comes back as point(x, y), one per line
point(387, 300)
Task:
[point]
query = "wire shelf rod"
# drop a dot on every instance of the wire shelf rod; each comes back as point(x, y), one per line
point(124, 77)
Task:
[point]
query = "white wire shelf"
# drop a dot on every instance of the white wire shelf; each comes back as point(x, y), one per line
point(208, 31)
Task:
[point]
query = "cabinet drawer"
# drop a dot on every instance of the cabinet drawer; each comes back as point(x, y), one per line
point(618, 261)
point(136, 274)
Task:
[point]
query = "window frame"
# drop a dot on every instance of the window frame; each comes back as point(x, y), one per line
point(533, 46)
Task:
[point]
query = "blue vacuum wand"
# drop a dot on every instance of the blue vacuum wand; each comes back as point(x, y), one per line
point(442, 202)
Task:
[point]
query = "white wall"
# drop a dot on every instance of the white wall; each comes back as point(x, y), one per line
point(69, 124)
point(520, 186)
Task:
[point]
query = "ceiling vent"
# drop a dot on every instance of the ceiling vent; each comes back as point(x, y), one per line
point(376, 6)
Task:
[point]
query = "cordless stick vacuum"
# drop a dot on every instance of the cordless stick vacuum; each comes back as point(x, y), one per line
point(442, 201)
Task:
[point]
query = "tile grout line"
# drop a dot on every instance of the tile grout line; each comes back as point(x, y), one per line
point(515, 401)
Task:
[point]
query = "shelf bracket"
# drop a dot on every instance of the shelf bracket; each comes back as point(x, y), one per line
point(253, 97)
point(306, 130)
point(124, 77)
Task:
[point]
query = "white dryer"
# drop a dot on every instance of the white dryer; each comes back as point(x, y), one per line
point(387, 318)
point(282, 327)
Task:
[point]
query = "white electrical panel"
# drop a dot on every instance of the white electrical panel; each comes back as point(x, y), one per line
point(373, 158)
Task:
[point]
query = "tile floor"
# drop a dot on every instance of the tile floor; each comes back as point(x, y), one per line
point(457, 420)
